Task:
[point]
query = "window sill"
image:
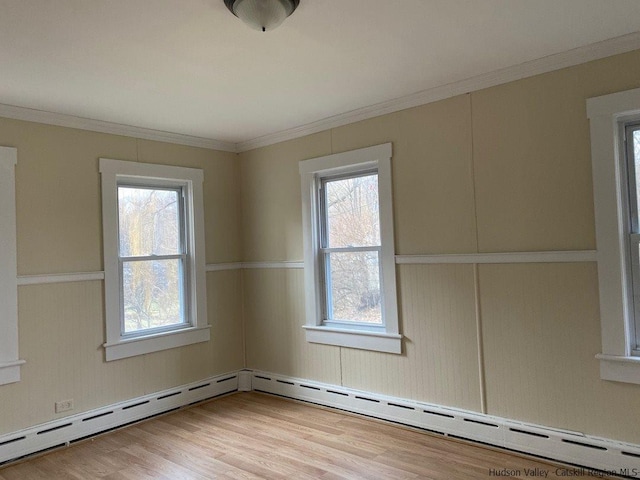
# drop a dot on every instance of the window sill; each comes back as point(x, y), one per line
point(619, 368)
point(131, 347)
point(10, 372)
point(361, 339)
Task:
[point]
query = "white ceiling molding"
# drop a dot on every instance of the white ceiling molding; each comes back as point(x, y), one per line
point(595, 51)
point(63, 120)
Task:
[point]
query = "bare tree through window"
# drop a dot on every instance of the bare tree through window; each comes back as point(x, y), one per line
point(151, 253)
point(352, 248)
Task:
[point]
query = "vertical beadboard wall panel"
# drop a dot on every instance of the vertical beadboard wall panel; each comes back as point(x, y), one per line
point(439, 363)
point(541, 334)
point(224, 301)
point(223, 353)
point(275, 341)
point(61, 333)
point(61, 336)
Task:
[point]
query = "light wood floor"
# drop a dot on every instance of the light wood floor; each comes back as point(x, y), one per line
point(250, 435)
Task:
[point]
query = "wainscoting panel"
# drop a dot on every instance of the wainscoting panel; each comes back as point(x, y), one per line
point(439, 364)
point(274, 315)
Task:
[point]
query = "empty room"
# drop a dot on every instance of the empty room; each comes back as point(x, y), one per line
point(391, 239)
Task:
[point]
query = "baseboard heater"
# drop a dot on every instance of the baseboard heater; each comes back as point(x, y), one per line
point(74, 428)
point(560, 445)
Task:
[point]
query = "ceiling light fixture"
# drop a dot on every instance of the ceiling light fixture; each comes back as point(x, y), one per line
point(262, 15)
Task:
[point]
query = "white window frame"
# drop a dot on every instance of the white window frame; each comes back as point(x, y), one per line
point(9, 360)
point(196, 328)
point(385, 338)
point(608, 116)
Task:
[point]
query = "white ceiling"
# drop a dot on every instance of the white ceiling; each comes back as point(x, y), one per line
point(190, 67)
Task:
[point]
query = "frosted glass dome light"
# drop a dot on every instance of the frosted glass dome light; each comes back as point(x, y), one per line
point(262, 15)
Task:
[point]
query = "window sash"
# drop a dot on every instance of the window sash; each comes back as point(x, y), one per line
point(327, 288)
point(183, 256)
point(324, 254)
point(182, 292)
point(323, 216)
point(631, 177)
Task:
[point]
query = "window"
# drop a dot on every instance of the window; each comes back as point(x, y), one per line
point(615, 127)
point(350, 280)
point(154, 259)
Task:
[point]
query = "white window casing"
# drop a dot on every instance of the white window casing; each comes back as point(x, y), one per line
point(386, 337)
point(608, 115)
point(9, 360)
point(195, 328)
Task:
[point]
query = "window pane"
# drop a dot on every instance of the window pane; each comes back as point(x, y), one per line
point(352, 212)
point(635, 186)
point(354, 291)
point(634, 241)
point(149, 221)
point(152, 294)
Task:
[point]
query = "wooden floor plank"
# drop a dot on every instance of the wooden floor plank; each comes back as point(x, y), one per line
point(251, 436)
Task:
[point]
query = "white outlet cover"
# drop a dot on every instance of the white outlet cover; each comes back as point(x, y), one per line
point(64, 406)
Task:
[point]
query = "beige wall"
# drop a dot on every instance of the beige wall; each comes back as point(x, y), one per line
point(59, 230)
point(275, 304)
point(499, 170)
point(271, 215)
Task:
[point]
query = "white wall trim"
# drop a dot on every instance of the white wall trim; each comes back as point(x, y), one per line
point(470, 258)
point(561, 445)
point(60, 278)
point(64, 431)
point(9, 361)
point(119, 349)
point(595, 51)
point(619, 368)
point(71, 121)
point(279, 264)
point(220, 267)
point(353, 338)
point(508, 257)
point(10, 371)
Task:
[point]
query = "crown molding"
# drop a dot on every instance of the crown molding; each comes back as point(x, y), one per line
point(576, 56)
point(71, 121)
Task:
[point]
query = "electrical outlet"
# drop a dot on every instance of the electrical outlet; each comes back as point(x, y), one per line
point(64, 405)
